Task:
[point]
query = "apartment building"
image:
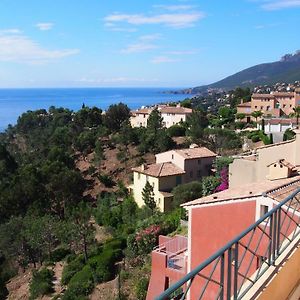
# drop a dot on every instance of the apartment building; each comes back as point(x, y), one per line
point(171, 115)
point(276, 104)
point(254, 167)
point(213, 222)
point(172, 168)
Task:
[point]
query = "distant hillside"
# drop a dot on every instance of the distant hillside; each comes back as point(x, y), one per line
point(286, 70)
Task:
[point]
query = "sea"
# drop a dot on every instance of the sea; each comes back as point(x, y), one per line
point(14, 102)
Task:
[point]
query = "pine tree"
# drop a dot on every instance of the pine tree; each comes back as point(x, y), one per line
point(148, 196)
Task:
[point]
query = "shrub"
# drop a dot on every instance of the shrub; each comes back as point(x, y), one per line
point(106, 180)
point(176, 130)
point(82, 283)
point(255, 138)
point(186, 192)
point(141, 288)
point(59, 254)
point(41, 283)
point(72, 268)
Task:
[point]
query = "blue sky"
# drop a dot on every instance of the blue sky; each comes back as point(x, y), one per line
point(64, 43)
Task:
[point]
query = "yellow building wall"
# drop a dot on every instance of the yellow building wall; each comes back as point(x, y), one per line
point(285, 281)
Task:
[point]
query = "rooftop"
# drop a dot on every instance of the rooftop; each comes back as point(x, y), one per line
point(245, 104)
point(198, 152)
point(165, 109)
point(249, 191)
point(159, 170)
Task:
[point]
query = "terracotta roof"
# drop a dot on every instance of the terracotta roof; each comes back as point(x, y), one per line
point(159, 170)
point(174, 110)
point(245, 104)
point(280, 121)
point(198, 152)
point(250, 190)
point(164, 109)
point(274, 145)
point(283, 94)
point(262, 96)
point(284, 163)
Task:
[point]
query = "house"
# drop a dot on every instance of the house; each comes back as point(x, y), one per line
point(172, 168)
point(275, 104)
point(171, 115)
point(254, 167)
point(213, 221)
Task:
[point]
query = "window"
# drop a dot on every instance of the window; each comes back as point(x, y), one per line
point(147, 178)
point(172, 156)
point(191, 174)
point(199, 161)
point(199, 173)
point(139, 176)
point(178, 180)
point(263, 210)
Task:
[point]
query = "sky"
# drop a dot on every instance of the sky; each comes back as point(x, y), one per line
point(140, 43)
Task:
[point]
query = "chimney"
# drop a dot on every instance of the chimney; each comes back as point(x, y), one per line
point(178, 105)
point(143, 167)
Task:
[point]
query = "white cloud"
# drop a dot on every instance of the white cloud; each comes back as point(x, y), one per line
point(279, 4)
point(44, 26)
point(11, 30)
point(183, 52)
point(175, 7)
point(163, 59)
point(144, 43)
point(174, 20)
point(17, 47)
point(138, 47)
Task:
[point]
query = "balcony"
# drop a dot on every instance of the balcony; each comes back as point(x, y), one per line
point(263, 262)
point(175, 250)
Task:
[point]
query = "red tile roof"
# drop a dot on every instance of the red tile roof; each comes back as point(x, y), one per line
point(198, 152)
point(250, 190)
point(159, 170)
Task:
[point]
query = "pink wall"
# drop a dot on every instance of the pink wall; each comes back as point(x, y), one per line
point(212, 228)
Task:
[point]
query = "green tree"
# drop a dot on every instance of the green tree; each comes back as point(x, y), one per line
point(186, 192)
point(116, 115)
point(196, 122)
point(82, 232)
point(148, 196)
point(256, 114)
point(209, 185)
point(297, 113)
point(155, 122)
point(240, 116)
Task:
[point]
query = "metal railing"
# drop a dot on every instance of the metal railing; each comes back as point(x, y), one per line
point(175, 251)
point(234, 269)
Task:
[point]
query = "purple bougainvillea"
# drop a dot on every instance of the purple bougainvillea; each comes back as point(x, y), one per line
point(224, 180)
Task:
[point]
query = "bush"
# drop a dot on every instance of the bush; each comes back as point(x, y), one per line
point(141, 288)
point(186, 192)
point(81, 284)
point(41, 283)
point(72, 268)
point(106, 180)
point(59, 254)
point(176, 130)
point(255, 138)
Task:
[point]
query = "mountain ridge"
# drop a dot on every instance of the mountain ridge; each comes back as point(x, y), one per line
point(287, 69)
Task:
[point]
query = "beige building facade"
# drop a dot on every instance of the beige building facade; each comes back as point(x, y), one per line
point(171, 169)
point(171, 115)
point(257, 166)
point(276, 104)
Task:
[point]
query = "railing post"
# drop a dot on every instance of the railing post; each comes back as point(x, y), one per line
point(229, 265)
point(274, 237)
point(222, 277)
point(236, 270)
point(270, 243)
point(278, 231)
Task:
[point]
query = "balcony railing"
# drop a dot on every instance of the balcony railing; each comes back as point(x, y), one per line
point(175, 250)
point(233, 270)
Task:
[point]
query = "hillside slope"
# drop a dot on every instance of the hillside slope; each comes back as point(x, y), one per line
point(286, 70)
